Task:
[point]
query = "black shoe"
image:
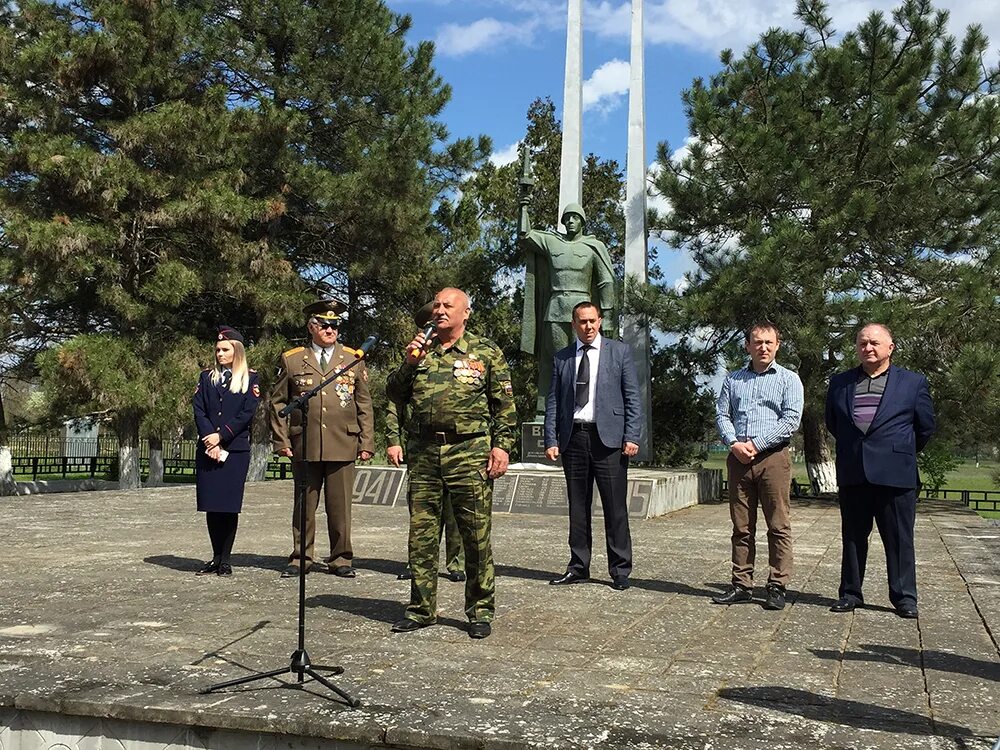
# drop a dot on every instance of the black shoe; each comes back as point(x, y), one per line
point(344, 571)
point(620, 583)
point(775, 596)
point(208, 568)
point(567, 578)
point(735, 595)
point(406, 625)
point(406, 575)
point(292, 571)
point(907, 611)
point(479, 630)
point(844, 604)
point(225, 569)
point(455, 576)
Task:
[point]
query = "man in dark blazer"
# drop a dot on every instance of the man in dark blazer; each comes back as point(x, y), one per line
point(592, 421)
point(881, 416)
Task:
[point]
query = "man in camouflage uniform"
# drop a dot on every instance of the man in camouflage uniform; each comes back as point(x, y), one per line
point(460, 430)
point(341, 430)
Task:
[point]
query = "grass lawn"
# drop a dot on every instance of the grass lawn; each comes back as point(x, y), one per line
point(967, 476)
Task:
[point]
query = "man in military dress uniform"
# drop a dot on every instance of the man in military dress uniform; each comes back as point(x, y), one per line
point(341, 430)
point(461, 427)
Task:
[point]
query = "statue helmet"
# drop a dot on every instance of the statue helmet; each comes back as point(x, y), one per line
point(574, 208)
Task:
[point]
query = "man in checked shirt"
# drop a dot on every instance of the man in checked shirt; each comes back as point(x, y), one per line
point(758, 410)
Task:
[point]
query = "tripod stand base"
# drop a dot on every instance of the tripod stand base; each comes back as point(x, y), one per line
point(300, 666)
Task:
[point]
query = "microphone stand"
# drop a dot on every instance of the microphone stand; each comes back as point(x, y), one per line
point(300, 664)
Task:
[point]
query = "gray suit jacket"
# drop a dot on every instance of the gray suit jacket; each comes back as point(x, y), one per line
point(617, 407)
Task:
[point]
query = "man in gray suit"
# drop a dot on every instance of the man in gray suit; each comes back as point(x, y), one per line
point(592, 421)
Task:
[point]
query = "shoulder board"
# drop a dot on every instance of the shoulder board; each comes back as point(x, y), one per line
point(296, 350)
point(355, 352)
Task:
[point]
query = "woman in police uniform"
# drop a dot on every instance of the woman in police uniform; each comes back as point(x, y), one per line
point(224, 404)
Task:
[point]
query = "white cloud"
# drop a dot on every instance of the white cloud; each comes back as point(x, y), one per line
point(455, 40)
point(712, 25)
point(607, 86)
point(506, 155)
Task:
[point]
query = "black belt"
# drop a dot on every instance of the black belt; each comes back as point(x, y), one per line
point(446, 437)
point(578, 425)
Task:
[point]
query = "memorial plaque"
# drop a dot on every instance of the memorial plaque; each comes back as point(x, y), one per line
point(533, 444)
point(540, 493)
point(378, 485)
point(639, 492)
point(503, 492)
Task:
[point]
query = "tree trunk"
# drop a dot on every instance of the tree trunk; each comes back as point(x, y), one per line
point(155, 462)
point(7, 484)
point(127, 429)
point(819, 460)
point(260, 445)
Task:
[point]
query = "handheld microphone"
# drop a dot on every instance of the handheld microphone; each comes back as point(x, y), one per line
point(428, 332)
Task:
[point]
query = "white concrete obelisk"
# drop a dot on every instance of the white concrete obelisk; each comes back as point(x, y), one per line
point(636, 243)
point(571, 163)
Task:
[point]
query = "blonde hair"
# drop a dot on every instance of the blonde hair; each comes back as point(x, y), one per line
point(241, 374)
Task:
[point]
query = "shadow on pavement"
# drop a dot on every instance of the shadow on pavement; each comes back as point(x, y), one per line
point(190, 564)
point(937, 660)
point(840, 711)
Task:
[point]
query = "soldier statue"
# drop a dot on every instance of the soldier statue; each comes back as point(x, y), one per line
point(560, 271)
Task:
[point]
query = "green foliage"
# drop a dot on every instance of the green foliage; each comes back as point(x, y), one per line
point(683, 412)
point(166, 167)
point(832, 181)
point(935, 462)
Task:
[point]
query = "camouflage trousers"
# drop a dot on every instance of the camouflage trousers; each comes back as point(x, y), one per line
point(457, 472)
point(454, 553)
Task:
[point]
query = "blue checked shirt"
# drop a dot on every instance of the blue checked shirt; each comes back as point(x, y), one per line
point(765, 408)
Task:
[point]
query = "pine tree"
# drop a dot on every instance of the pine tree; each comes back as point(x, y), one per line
point(832, 181)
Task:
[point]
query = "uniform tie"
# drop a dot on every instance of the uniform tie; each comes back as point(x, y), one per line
point(583, 378)
point(323, 360)
point(227, 378)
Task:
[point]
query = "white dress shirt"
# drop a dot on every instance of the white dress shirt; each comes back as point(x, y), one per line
point(318, 351)
point(586, 413)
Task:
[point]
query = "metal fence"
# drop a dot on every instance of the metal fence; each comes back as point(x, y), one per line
point(986, 500)
point(49, 446)
point(106, 467)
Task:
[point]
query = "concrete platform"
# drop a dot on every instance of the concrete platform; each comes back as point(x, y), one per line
point(107, 637)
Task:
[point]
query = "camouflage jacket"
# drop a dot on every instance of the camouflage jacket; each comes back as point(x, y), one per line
point(465, 388)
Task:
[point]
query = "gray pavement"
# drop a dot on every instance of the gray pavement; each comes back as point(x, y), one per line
point(101, 615)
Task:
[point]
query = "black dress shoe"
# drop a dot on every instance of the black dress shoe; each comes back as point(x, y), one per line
point(844, 604)
point(620, 583)
point(775, 596)
point(344, 571)
point(735, 595)
point(291, 571)
point(225, 569)
point(568, 578)
point(208, 568)
point(455, 577)
point(479, 630)
point(907, 611)
point(406, 625)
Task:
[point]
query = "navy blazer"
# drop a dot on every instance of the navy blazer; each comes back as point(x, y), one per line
point(904, 422)
point(616, 410)
point(217, 409)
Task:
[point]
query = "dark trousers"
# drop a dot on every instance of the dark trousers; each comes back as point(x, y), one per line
point(222, 533)
point(585, 461)
point(893, 510)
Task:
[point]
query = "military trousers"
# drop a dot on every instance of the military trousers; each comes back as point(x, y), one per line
point(456, 472)
point(336, 480)
point(454, 554)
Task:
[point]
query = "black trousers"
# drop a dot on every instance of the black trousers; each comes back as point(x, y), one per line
point(586, 461)
point(894, 511)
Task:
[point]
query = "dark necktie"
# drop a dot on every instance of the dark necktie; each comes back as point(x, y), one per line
point(583, 378)
point(227, 378)
point(323, 361)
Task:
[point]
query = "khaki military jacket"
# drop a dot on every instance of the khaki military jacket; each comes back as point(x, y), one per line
point(340, 416)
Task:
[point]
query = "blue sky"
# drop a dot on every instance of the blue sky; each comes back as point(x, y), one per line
point(499, 55)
